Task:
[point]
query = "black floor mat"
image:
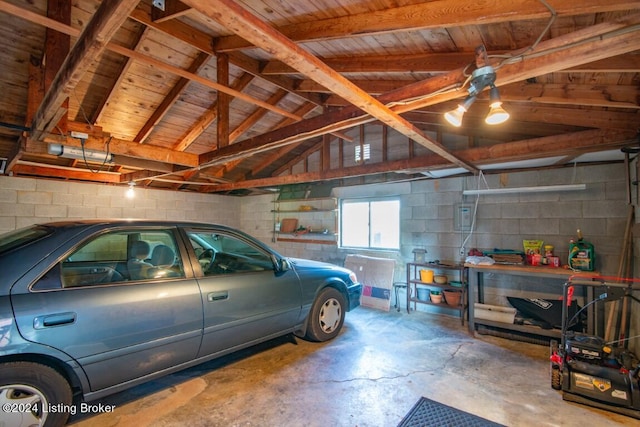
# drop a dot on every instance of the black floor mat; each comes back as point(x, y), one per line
point(429, 413)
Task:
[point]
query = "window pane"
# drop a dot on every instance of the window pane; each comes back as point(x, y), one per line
point(121, 256)
point(158, 259)
point(385, 224)
point(371, 224)
point(223, 254)
point(355, 224)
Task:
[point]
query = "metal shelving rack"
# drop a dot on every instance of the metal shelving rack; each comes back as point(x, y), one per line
point(413, 281)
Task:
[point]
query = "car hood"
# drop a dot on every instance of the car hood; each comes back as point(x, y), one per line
point(307, 264)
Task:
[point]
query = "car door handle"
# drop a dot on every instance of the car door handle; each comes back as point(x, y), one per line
point(217, 296)
point(51, 320)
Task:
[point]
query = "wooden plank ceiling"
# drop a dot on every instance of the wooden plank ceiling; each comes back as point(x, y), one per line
point(235, 97)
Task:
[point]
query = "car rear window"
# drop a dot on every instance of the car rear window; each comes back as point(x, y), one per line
point(22, 237)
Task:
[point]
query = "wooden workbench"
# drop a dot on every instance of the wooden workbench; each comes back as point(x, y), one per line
point(476, 291)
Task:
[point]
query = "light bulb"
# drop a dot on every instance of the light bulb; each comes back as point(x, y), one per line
point(131, 192)
point(497, 114)
point(454, 117)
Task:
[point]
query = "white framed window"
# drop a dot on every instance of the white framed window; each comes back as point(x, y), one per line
point(370, 224)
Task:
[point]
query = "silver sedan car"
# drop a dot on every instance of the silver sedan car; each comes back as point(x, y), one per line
point(90, 308)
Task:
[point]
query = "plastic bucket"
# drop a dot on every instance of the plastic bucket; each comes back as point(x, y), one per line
point(423, 294)
point(426, 276)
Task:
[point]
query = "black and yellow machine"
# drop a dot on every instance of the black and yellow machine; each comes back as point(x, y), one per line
point(595, 364)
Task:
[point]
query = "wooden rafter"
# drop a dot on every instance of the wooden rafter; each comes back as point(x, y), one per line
point(246, 25)
point(597, 42)
point(104, 23)
point(201, 41)
point(49, 23)
point(436, 63)
point(434, 14)
point(121, 73)
point(171, 98)
point(549, 146)
point(209, 116)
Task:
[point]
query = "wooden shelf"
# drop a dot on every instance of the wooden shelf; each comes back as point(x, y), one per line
point(304, 211)
point(321, 214)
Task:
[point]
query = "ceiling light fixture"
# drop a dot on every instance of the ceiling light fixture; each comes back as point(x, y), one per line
point(540, 189)
point(79, 153)
point(131, 193)
point(481, 78)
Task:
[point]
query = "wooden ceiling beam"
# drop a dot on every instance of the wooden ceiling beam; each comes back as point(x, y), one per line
point(198, 79)
point(433, 14)
point(121, 74)
point(171, 98)
point(209, 116)
point(203, 42)
point(237, 19)
point(30, 169)
point(557, 145)
point(50, 23)
point(613, 96)
point(121, 147)
point(223, 101)
point(522, 112)
point(56, 49)
point(172, 9)
point(593, 43)
point(110, 15)
point(255, 117)
point(437, 63)
point(282, 151)
point(300, 158)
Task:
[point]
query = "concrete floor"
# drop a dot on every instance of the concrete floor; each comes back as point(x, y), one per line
point(370, 375)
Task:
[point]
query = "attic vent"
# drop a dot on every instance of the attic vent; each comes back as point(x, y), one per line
point(363, 152)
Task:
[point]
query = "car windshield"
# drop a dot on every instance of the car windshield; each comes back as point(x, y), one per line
point(21, 237)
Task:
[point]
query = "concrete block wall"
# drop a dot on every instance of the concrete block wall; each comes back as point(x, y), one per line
point(26, 201)
point(502, 221)
point(427, 212)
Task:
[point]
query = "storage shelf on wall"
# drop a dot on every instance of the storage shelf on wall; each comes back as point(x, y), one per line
point(312, 220)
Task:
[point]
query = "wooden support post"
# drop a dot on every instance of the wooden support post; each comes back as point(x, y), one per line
point(224, 101)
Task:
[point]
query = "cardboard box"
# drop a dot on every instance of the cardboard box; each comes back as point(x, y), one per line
point(376, 276)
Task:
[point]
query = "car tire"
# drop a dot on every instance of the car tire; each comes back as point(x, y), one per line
point(327, 315)
point(26, 388)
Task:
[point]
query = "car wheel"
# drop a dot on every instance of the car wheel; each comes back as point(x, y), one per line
point(33, 395)
point(556, 378)
point(327, 315)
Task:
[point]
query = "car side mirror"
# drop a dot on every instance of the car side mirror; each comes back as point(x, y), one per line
point(282, 265)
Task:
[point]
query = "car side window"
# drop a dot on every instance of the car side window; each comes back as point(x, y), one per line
point(220, 253)
point(117, 257)
point(97, 262)
point(153, 255)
